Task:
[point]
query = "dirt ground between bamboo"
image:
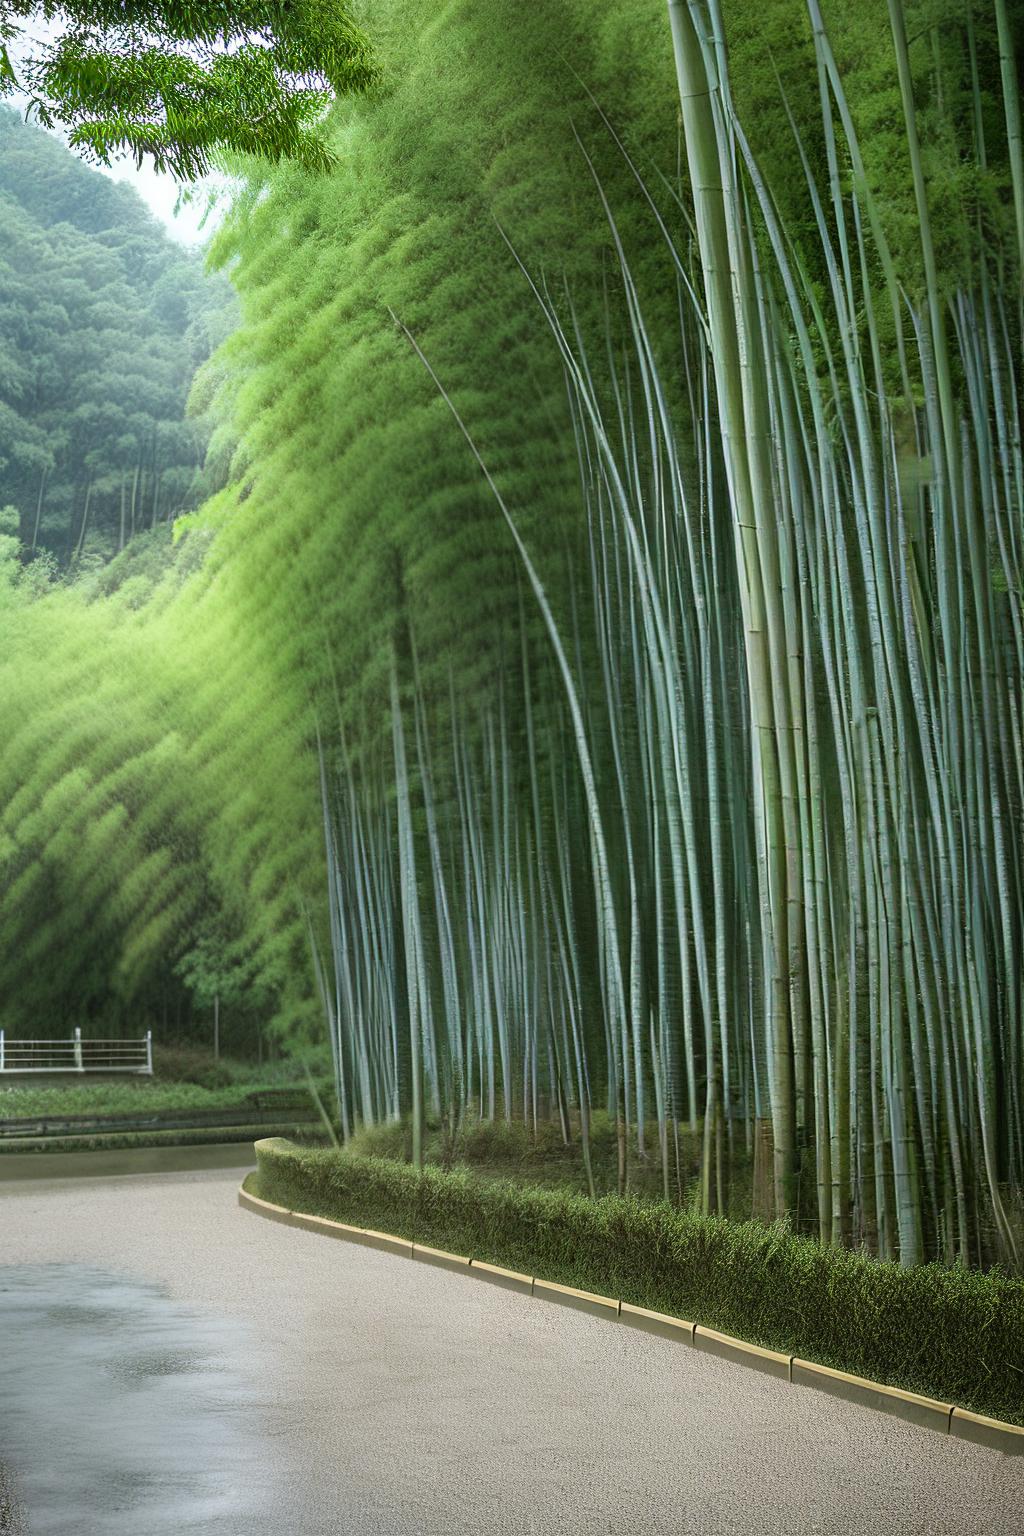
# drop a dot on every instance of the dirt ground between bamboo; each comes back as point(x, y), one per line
point(402, 1400)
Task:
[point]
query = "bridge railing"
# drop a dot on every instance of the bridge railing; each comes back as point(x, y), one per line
point(76, 1055)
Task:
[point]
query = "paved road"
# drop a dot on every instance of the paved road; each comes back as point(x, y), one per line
point(382, 1398)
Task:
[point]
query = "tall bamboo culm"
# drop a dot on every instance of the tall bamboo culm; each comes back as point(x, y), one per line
point(735, 851)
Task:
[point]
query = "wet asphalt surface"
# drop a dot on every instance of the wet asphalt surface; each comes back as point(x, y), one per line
point(124, 1407)
point(171, 1363)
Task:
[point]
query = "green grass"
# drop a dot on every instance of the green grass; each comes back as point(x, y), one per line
point(184, 1080)
point(107, 1096)
point(954, 1334)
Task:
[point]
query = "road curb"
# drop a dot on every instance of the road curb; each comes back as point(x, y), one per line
point(659, 1323)
point(1008, 1438)
point(508, 1279)
point(438, 1257)
point(582, 1301)
point(927, 1413)
point(751, 1355)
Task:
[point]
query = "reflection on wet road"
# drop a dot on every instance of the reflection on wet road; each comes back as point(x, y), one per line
point(122, 1412)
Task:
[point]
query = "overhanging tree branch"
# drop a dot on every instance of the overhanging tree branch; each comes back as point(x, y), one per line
point(173, 81)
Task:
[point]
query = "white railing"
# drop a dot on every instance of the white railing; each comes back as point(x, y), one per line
point(77, 1055)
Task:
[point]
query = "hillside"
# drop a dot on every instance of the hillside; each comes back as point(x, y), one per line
point(103, 322)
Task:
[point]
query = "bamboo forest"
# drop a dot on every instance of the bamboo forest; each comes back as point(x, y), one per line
point(533, 610)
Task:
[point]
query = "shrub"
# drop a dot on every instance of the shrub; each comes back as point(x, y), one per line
point(955, 1334)
point(184, 1064)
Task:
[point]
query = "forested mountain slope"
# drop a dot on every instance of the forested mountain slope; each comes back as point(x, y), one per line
point(103, 321)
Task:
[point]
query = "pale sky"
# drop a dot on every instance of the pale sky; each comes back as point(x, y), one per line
point(159, 191)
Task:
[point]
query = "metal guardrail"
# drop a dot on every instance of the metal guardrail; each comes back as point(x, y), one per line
point(77, 1055)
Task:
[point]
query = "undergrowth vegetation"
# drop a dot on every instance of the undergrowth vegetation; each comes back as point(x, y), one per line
point(552, 1156)
point(123, 1098)
point(184, 1079)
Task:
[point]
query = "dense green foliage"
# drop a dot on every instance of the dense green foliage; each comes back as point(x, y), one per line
point(122, 840)
point(598, 670)
point(176, 80)
point(117, 705)
point(104, 321)
point(951, 1334)
point(699, 802)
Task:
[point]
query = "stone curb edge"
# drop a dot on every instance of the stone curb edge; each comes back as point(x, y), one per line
point(945, 1418)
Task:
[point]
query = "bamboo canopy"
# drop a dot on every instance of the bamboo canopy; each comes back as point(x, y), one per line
point(765, 868)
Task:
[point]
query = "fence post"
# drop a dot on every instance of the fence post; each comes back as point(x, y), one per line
point(1, 1050)
point(78, 1050)
point(149, 1051)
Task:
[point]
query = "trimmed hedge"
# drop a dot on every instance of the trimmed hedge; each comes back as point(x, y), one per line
point(954, 1334)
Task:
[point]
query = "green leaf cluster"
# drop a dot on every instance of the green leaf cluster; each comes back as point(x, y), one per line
point(176, 81)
